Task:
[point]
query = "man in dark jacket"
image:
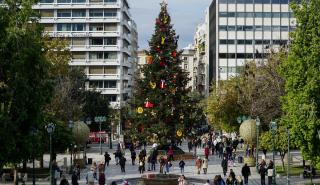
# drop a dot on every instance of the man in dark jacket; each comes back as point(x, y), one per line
point(107, 158)
point(122, 163)
point(224, 165)
point(133, 156)
point(245, 173)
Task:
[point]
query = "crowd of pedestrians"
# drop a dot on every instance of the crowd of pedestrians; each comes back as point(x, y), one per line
point(222, 148)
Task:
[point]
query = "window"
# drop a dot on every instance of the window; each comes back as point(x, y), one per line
point(110, 1)
point(223, 1)
point(223, 28)
point(64, 1)
point(266, 42)
point(95, 27)
point(95, 1)
point(258, 28)
point(240, 42)
point(275, 14)
point(284, 28)
point(267, 14)
point(258, 1)
point(63, 27)
point(111, 41)
point(239, 28)
point(285, 14)
point(223, 69)
point(111, 55)
point(48, 27)
point(247, 28)
point(78, 55)
point(232, 69)
point(78, 41)
point(96, 55)
point(223, 41)
point(266, 28)
point(64, 13)
point(110, 70)
point(275, 28)
point(266, 1)
point(223, 14)
point(79, 27)
point(96, 84)
point(46, 13)
point(96, 13)
point(241, 1)
point(110, 13)
point(79, 13)
point(110, 84)
point(248, 42)
point(241, 14)
point(249, 1)
point(231, 28)
point(95, 70)
point(46, 1)
point(185, 66)
point(78, 1)
point(96, 41)
point(283, 1)
point(110, 27)
point(275, 1)
point(249, 14)
point(258, 14)
point(111, 97)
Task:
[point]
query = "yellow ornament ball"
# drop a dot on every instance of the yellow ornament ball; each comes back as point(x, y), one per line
point(153, 85)
point(179, 133)
point(140, 110)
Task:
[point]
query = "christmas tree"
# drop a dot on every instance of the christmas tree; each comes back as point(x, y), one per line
point(163, 108)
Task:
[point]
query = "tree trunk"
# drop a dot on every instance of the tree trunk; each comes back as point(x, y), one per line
point(41, 161)
point(15, 175)
point(282, 159)
point(24, 166)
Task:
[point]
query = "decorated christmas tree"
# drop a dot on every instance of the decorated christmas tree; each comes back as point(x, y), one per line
point(163, 108)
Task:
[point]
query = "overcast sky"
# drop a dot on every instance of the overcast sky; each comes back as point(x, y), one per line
point(185, 15)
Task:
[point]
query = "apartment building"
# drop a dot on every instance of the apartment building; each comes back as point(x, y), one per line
point(103, 40)
point(244, 30)
point(187, 64)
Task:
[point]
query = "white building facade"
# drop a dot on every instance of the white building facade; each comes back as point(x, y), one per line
point(103, 40)
point(244, 30)
point(187, 64)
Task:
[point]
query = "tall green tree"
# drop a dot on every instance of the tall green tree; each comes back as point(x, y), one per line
point(301, 71)
point(25, 84)
point(161, 100)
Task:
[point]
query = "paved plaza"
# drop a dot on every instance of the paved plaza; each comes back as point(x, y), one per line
point(113, 172)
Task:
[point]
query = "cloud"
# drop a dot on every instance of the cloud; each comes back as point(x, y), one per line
point(185, 15)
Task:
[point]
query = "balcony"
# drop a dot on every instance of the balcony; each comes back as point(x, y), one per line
point(100, 4)
point(127, 37)
point(88, 62)
point(103, 76)
point(79, 19)
point(94, 48)
point(106, 90)
point(83, 33)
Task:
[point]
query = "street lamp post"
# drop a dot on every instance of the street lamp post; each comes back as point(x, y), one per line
point(110, 135)
point(100, 119)
point(257, 146)
point(288, 158)
point(70, 125)
point(273, 128)
point(34, 131)
point(50, 130)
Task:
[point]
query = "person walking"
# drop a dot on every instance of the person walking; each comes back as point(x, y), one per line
point(170, 154)
point(168, 166)
point(162, 163)
point(74, 178)
point(189, 145)
point(133, 156)
point(181, 165)
point(206, 151)
point(122, 163)
point(262, 172)
point(102, 178)
point(199, 164)
point(90, 177)
point(205, 165)
point(270, 172)
point(246, 173)
point(224, 165)
point(141, 166)
point(107, 158)
point(56, 172)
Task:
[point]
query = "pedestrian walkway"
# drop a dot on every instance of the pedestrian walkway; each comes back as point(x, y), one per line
point(113, 172)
